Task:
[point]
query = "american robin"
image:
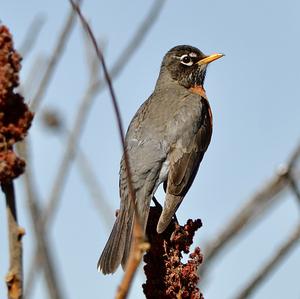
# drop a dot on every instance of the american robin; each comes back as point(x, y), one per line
point(166, 141)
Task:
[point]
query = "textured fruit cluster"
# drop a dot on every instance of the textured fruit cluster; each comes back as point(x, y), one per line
point(15, 117)
point(167, 276)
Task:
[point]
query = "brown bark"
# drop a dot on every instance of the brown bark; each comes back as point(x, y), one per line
point(14, 277)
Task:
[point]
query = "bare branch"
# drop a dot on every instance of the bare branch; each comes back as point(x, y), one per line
point(15, 120)
point(254, 208)
point(54, 59)
point(137, 39)
point(52, 121)
point(92, 62)
point(138, 247)
point(294, 157)
point(258, 204)
point(89, 177)
point(32, 35)
point(33, 78)
point(44, 248)
point(113, 98)
point(14, 277)
point(294, 187)
point(270, 265)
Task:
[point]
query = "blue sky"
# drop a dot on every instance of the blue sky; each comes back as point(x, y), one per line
point(254, 94)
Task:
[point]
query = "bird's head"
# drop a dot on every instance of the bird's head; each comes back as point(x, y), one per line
point(187, 65)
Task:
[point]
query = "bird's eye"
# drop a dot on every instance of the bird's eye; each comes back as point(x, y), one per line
point(186, 59)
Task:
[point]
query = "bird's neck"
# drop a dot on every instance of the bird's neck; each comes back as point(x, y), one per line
point(199, 89)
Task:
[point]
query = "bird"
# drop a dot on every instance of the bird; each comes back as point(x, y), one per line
point(165, 142)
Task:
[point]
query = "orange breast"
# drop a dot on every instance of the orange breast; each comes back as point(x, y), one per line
point(199, 90)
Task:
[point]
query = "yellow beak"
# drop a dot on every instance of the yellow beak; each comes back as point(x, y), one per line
point(210, 58)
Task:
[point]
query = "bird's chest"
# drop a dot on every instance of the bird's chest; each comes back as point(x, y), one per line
point(172, 122)
point(206, 115)
point(188, 119)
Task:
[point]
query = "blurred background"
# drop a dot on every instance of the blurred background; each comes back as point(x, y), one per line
point(254, 94)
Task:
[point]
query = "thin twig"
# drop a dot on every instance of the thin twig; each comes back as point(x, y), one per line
point(44, 248)
point(255, 207)
point(89, 177)
point(52, 121)
point(33, 77)
point(294, 157)
point(92, 61)
point(32, 35)
point(14, 277)
point(113, 98)
point(270, 265)
point(54, 59)
point(85, 105)
point(137, 39)
point(138, 247)
point(294, 187)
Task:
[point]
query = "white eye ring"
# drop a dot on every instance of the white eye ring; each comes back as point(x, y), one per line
point(186, 60)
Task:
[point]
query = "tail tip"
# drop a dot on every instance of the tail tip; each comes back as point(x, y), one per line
point(99, 268)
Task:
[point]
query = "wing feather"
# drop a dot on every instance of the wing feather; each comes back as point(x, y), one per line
point(184, 165)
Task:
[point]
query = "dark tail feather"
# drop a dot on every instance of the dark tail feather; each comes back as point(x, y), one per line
point(113, 251)
point(128, 243)
point(116, 246)
point(143, 210)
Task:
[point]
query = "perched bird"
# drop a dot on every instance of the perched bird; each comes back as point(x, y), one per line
point(165, 141)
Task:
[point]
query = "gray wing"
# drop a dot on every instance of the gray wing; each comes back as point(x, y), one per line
point(185, 159)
